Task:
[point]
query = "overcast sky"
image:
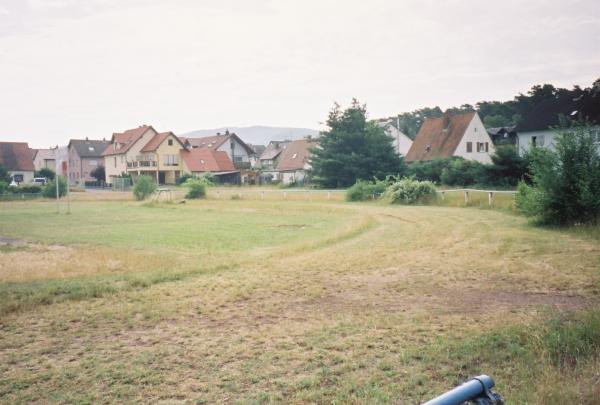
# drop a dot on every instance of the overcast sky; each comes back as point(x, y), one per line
point(77, 68)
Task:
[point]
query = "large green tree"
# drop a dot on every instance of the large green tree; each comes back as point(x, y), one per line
point(353, 149)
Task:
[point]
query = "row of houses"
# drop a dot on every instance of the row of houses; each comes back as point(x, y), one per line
point(464, 135)
point(164, 156)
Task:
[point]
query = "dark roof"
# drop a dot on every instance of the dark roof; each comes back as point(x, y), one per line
point(439, 137)
point(207, 160)
point(571, 104)
point(273, 149)
point(88, 148)
point(500, 130)
point(258, 149)
point(295, 155)
point(16, 156)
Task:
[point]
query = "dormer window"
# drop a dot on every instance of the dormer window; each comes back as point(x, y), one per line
point(428, 148)
point(91, 148)
point(170, 142)
point(294, 156)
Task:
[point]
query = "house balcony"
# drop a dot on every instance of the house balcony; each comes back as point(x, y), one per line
point(141, 164)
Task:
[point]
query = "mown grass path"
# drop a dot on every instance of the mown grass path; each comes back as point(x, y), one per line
point(238, 301)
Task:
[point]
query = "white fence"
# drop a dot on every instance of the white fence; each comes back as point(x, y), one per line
point(285, 194)
point(466, 192)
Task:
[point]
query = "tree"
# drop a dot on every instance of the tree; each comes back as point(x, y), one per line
point(352, 149)
point(144, 186)
point(508, 167)
point(4, 176)
point(49, 190)
point(46, 173)
point(566, 182)
point(99, 173)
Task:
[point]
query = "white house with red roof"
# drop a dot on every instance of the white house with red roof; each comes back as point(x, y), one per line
point(237, 150)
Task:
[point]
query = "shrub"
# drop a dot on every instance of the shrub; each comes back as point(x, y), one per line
point(3, 187)
point(196, 188)
point(365, 190)
point(182, 179)
point(410, 191)
point(31, 189)
point(45, 172)
point(49, 190)
point(144, 186)
point(461, 172)
point(508, 167)
point(428, 170)
point(565, 186)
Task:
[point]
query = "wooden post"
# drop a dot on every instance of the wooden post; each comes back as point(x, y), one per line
point(329, 195)
point(491, 198)
point(466, 197)
point(443, 195)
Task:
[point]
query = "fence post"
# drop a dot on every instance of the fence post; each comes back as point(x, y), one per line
point(491, 198)
point(466, 197)
point(443, 196)
point(329, 195)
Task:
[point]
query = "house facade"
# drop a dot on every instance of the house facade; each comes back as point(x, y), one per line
point(237, 150)
point(292, 164)
point(123, 155)
point(200, 161)
point(84, 156)
point(401, 141)
point(17, 159)
point(462, 135)
point(270, 156)
point(45, 159)
point(537, 128)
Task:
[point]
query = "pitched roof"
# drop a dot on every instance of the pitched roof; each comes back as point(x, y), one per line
point(45, 154)
point(16, 156)
point(215, 141)
point(295, 155)
point(273, 149)
point(571, 104)
point(127, 139)
point(89, 148)
point(258, 149)
point(439, 137)
point(157, 140)
point(207, 160)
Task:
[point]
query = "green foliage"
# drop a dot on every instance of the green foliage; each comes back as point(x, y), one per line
point(185, 177)
point(352, 149)
point(430, 170)
point(365, 190)
point(4, 176)
point(45, 172)
point(410, 122)
point(29, 189)
point(196, 188)
point(49, 190)
point(3, 187)
point(566, 182)
point(570, 340)
point(410, 191)
point(99, 173)
point(144, 186)
point(461, 172)
point(507, 168)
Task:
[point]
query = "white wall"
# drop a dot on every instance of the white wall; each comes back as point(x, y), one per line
point(239, 150)
point(27, 176)
point(474, 133)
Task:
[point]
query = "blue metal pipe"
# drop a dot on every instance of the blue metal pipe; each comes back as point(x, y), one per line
point(470, 390)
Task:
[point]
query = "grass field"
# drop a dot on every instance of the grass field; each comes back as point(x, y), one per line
point(297, 301)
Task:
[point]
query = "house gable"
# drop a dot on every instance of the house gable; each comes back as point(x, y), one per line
point(481, 145)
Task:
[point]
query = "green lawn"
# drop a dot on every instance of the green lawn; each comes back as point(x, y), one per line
point(250, 301)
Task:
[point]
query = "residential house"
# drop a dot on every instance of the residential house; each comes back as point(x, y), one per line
point(293, 163)
point(17, 159)
point(200, 161)
point(452, 135)
point(503, 135)
point(45, 159)
point(257, 151)
point(237, 150)
point(268, 159)
point(144, 151)
point(85, 155)
point(536, 129)
point(401, 141)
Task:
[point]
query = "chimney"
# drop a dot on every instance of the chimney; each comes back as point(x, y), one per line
point(86, 138)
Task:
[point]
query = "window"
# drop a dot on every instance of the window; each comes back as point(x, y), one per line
point(170, 142)
point(93, 163)
point(238, 159)
point(469, 147)
point(482, 147)
point(487, 147)
point(534, 141)
point(115, 161)
point(91, 148)
point(171, 160)
point(294, 156)
point(18, 178)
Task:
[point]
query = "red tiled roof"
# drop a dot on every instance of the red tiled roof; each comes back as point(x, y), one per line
point(207, 160)
point(157, 140)
point(295, 155)
point(16, 156)
point(439, 137)
point(215, 141)
point(127, 138)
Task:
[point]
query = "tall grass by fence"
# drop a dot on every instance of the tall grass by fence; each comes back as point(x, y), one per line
point(276, 194)
point(20, 196)
point(467, 197)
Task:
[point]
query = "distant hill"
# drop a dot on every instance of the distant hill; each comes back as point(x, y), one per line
point(258, 135)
